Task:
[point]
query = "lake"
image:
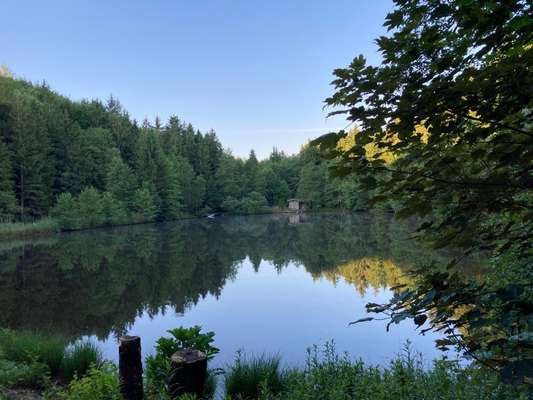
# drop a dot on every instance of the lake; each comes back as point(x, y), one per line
point(264, 284)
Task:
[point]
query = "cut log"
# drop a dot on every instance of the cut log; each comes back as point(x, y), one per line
point(130, 368)
point(188, 373)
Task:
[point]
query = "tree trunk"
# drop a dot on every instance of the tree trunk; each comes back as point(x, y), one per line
point(130, 368)
point(188, 373)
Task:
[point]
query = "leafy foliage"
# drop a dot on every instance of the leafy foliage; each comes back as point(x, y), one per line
point(444, 134)
point(99, 384)
point(32, 374)
point(158, 366)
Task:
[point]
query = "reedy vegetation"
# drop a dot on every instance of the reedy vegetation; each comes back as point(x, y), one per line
point(32, 360)
point(326, 375)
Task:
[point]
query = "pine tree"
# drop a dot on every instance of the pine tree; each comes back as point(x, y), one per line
point(90, 208)
point(91, 161)
point(251, 171)
point(7, 195)
point(170, 193)
point(276, 189)
point(114, 211)
point(185, 177)
point(30, 146)
point(229, 178)
point(311, 185)
point(198, 194)
point(148, 156)
point(121, 128)
point(120, 180)
point(66, 212)
point(143, 205)
point(171, 137)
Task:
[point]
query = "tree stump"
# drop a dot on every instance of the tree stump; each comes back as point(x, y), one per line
point(130, 368)
point(188, 373)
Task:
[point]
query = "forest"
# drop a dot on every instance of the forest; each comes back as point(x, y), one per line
point(87, 163)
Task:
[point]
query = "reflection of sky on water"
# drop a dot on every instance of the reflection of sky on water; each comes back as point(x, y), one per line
point(285, 313)
point(147, 279)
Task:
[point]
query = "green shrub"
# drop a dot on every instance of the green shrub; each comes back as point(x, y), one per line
point(252, 203)
point(28, 348)
point(66, 212)
point(247, 376)
point(158, 365)
point(79, 358)
point(99, 384)
point(33, 374)
point(90, 208)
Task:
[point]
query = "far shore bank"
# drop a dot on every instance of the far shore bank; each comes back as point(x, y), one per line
point(49, 226)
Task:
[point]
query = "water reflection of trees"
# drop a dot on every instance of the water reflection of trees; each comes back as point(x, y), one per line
point(98, 282)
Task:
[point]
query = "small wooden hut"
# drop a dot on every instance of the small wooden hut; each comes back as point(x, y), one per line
point(296, 205)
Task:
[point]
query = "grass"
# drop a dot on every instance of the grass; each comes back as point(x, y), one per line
point(25, 347)
point(29, 361)
point(22, 350)
point(79, 358)
point(10, 230)
point(328, 376)
point(247, 376)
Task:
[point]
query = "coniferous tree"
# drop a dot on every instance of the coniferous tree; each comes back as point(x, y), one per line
point(171, 192)
point(229, 177)
point(94, 153)
point(114, 211)
point(312, 184)
point(197, 194)
point(7, 195)
point(121, 128)
point(90, 207)
point(251, 171)
point(120, 180)
point(66, 212)
point(30, 148)
point(144, 205)
point(185, 177)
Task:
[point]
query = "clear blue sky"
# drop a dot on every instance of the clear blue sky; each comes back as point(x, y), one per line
point(256, 72)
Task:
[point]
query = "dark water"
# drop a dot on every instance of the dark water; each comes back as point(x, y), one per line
point(265, 284)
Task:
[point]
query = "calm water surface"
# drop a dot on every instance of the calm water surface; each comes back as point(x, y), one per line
point(264, 284)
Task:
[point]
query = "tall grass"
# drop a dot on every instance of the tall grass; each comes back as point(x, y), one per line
point(28, 348)
point(79, 358)
point(329, 376)
point(246, 378)
point(24, 229)
point(25, 349)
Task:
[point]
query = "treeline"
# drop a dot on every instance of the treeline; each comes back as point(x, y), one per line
point(87, 163)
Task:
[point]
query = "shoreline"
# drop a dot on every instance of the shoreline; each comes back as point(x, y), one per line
point(49, 227)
